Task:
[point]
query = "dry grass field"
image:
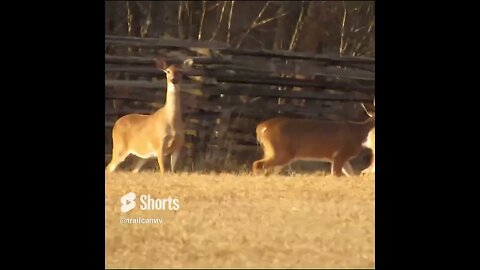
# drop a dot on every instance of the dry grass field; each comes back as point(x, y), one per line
point(242, 221)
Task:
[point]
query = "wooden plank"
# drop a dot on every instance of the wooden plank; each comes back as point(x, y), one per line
point(225, 48)
point(368, 88)
point(262, 91)
point(212, 70)
point(235, 147)
point(129, 59)
point(150, 60)
point(160, 85)
point(133, 91)
point(134, 69)
point(223, 64)
point(162, 43)
point(299, 69)
point(331, 59)
point(257, 112)
point(279, 66)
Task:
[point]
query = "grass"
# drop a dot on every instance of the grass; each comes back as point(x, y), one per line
point(242, 221)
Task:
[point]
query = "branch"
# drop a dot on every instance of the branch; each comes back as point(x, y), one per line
point(230, 21)
point(297, 27)
point(148, 21)
point(372, 23)
point(187, 7)
point(252, 25)
point(190, 19)
point(180, 24)
point(129, 20)
point(219, 22)
point(342, 46)
point(204, 3)
point(261, 23)
point(269, 19)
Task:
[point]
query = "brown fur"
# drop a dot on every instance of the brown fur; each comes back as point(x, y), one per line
point(285, 140)
point(159, 134)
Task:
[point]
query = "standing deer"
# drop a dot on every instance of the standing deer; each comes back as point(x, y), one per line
point(285, 140)
point(157, 135)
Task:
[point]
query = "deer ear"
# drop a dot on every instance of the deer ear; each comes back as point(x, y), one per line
point(161, 63)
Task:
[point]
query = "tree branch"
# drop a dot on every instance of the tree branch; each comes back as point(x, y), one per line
point(342, 39)
point(204, 4)
point(219, 22)
point(180, 23)
point(148, 21)
point(130, 18)
point(190, 18)
point(252, 25)
point(297, 27)
point(269, 20)
point(230, 21)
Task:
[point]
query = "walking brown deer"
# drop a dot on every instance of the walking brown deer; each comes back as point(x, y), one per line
point(285, 140)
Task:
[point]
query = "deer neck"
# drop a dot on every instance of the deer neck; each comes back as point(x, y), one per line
point(172, 108)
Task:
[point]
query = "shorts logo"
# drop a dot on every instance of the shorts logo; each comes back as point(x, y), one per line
point(128, 202)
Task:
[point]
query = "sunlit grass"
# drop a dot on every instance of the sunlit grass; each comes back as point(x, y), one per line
point(228, 220)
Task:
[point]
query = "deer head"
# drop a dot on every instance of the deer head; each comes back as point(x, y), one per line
point(174, 72)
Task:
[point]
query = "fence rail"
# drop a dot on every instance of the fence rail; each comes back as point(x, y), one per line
point(228, 91)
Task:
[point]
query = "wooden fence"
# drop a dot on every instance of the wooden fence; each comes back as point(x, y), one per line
point(229, 91)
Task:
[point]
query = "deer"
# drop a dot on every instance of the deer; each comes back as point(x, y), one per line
point(156, 135)
point(285, 140)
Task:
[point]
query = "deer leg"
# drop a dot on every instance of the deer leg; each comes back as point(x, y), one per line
point(371, 168)
point(347, 169)
point(174, 159)
point(139, 165)
point(161, 165)
point(257, 166)
point(337, 165)
point(177, 148)
point(117, 158)
point(275, 164)
point(160, 153)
